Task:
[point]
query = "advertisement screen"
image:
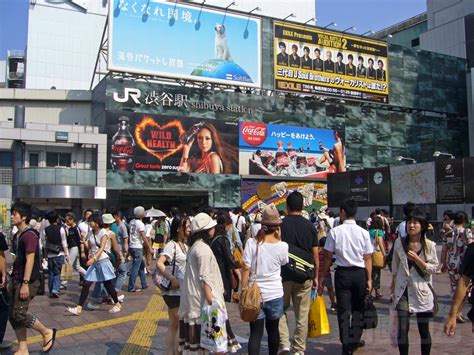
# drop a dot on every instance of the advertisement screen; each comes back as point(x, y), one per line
point(279, 150)
point(379, 187)
point(450, 180)
point(175, 144)
point(315, 61)
point(184, 42)
point(413, 183)
point(256, 194)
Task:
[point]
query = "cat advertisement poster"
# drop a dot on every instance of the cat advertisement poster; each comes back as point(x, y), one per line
point(189, 42)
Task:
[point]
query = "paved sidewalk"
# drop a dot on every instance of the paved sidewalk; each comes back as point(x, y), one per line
point(140, 327)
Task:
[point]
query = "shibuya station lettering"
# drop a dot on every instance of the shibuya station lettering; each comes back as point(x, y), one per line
point(166, 99)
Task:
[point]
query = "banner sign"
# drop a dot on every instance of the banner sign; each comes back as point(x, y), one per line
point(359, 186)
point(187, 42)
point(279, 150)
point(256, 194)
point(413, 183)
point(315, 61)
point(450, 180)
point(164, 143)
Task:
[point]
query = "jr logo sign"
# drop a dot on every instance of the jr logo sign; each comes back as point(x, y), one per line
point(129, 93)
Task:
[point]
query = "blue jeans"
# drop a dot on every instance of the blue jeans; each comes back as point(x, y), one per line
point(138, 268)
point(122, 274)
point(272, 309)
point(54, 274)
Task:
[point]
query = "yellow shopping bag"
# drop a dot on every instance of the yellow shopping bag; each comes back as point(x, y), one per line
point(318, 318)
point(66, 272)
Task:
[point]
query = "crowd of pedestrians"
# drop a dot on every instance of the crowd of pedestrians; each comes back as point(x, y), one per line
point(212, 257)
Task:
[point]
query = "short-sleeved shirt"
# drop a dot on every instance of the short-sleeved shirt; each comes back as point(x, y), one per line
point(170, 249)
point(122, 234)
point(300, 232)
point(467, 265)
point(374, 234)
point(85, 229)
point(271, 257)
point(3, 246)
point(349, 243)
point(136, 227)
point(96, 241)
point(28, 243)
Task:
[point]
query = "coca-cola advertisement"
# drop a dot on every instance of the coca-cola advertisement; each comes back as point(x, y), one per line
point(278, 150)
point(140, 141)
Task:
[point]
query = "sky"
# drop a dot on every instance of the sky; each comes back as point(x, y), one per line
point(366, 15)
point(13, 25)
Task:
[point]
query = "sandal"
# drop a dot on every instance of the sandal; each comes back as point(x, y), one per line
point(115, 309)
point(75, 310)
point(53, 338)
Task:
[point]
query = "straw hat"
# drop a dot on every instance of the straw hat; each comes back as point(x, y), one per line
point(107, 218)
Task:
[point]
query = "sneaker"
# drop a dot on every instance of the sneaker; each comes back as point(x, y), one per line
point(75, 310)
point(5, 345)
point(92, 306)
point(121, 298)
point(115, 309)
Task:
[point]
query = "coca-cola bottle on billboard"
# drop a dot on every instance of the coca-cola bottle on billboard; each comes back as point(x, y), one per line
point(291, 151)
point(188, 136)
point(281, 157)
point(123, 147)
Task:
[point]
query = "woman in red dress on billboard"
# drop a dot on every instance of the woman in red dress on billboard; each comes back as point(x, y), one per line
point(214, 157)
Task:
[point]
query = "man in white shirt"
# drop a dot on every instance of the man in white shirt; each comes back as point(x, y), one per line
point(353, 249)
point(137, 242)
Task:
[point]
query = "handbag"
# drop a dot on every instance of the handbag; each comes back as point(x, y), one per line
point(66, 272)
point(237, 253)
point(318, 322)
point(160, 281)
point(250, 301)
point(377, 256)
point(369, 313)
point(53, 248)
point(298, 269)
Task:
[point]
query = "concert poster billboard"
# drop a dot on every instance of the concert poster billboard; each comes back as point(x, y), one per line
point(289, 151)
point(184, 41)
point(138, 141)
point(257, 193)
point(310, 60)
point(449, 181)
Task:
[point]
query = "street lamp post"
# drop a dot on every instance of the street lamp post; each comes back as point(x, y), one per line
point(411, 160)
point(331, 24)
point(439, 154)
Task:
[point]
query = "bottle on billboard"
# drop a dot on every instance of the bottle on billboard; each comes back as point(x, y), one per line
point(281, 157)
point(291, 151)
point(189, 135)
point(123, 147)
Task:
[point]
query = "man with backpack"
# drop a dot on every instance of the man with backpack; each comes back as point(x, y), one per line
point(27, 280)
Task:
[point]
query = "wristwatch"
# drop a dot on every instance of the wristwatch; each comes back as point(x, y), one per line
point(26, 282)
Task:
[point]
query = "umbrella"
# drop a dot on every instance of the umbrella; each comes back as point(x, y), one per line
point(154, 213)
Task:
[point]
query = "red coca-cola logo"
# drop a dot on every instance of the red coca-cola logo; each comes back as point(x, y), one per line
point(254, 133)
point(122, 149)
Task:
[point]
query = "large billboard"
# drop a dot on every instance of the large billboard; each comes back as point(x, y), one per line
point(139, 141)
point(258, 193)
point(290, 151)
point(186, 42)
point(413, 183)
point(315, 61)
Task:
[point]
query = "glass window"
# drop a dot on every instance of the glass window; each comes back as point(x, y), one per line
point(58, 159)
point(34, 160)
point(6, 159)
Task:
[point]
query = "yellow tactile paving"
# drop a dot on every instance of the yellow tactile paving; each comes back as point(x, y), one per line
point(139, 342)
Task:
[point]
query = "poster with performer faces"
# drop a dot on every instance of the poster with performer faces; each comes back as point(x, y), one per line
point(308, 60)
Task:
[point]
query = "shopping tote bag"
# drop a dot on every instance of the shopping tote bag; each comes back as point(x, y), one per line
point(318, 318)
point(66, 272)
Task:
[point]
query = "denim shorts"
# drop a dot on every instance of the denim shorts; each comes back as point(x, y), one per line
point(272, 309)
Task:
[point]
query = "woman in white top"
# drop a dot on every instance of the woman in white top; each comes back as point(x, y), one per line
point(174, 254)
point(100, 267)
point(413, 264)
point(263, 259)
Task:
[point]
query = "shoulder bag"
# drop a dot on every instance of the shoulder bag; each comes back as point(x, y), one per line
point(160, 281)
point(250, 301)
point(237, 253)
point(377, 256)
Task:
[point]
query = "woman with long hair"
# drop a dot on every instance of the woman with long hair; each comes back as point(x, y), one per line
point(213, 156)
point(174, 253)
point(202, 286)
point(376, 232)
point(413, 264)
point(335, 156)
point(263, 259)
point(100, 267)
point(455, 244)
